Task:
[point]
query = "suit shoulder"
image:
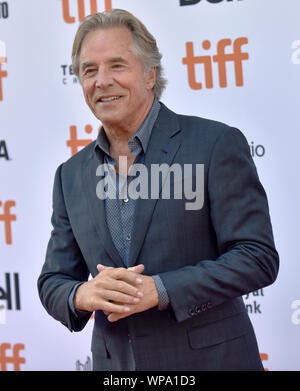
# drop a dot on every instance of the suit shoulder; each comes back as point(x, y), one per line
point(207, 130)
point(201, 129)
point(202, 124)
point(80, 157)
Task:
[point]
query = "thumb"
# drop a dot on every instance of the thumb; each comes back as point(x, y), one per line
point(100, 267)
point(137, 269)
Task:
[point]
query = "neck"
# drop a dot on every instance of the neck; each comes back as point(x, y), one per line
point(119, 134)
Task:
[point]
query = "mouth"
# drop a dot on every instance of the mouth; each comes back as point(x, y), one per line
point(108, 99)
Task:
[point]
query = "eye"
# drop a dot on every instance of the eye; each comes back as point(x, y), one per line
point(117, 66)
point(88, 71)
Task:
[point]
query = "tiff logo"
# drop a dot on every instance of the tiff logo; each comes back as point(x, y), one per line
point(3, 59)
point(7, 218)
point(74, 143)
point(264, 357)
point(81, 12)
point(221, 58)
point(12, 357)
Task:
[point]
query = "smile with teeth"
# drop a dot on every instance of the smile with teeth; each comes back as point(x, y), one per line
point(109, 99)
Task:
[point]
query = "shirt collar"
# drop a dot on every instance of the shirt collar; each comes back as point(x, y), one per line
point(140, 139)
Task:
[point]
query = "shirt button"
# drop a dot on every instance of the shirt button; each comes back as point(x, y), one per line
point(126, 200)
point(128, 237)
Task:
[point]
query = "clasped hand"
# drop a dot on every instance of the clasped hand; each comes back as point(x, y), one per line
point(118, 292)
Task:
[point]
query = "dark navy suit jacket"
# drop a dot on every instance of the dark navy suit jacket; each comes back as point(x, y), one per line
point(207, 258)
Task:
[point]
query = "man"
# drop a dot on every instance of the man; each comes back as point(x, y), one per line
point(167, 275)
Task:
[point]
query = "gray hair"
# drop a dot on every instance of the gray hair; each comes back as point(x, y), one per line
point(145, 47)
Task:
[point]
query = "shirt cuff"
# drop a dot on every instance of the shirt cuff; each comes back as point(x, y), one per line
point(78, 313)
point(163, 298)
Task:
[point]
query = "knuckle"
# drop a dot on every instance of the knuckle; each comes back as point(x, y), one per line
point(120, 285)
point(119, 272)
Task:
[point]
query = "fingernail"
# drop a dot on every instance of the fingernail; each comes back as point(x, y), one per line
point(139, 281)
point(140, 294)
point(126, 309)
point(136, 300)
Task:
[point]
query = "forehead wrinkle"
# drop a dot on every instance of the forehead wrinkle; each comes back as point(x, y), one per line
point(117, 59)
point(110, 60)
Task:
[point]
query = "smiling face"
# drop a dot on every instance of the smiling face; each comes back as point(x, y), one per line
point(113, 79)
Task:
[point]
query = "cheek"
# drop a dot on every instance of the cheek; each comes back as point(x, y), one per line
point(88, 94)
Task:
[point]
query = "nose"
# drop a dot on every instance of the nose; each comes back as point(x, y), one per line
point(103, 78)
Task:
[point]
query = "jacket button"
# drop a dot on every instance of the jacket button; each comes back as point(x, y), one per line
point(191, 312)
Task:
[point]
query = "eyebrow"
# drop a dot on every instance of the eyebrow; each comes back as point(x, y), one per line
point(111, 60)
point(117, 59)
point(86, 64)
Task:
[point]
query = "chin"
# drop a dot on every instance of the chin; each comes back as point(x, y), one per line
point(110, 120)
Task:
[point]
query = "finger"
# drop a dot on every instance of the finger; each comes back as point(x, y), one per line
point(113, 317)
point(119, 297)
point(120, 287)
point(110, 307)
point(125, 275)
point(119, 272)
point(137, 269)
point(100, 267)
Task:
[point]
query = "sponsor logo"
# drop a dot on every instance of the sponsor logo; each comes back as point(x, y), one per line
point(10, 291)
point(3, 59)
point(257, 150)
point(296, 313)
point(68, 75)
point(3, 10)
point(4, 150)
point(296, 52)
point(253, 304)
point(74, 11)
point(237, 56)
point(87, 366)
point(10, 354)
point(6, 217)
point(193, 2)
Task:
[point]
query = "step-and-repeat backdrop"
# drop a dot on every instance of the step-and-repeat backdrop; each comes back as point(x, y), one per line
point(236, 61)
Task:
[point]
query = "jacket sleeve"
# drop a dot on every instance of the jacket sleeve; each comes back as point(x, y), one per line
point(64, 265)
point(239, 213)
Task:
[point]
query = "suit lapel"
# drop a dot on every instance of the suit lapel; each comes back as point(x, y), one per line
point(163, 145)
point(96, 206)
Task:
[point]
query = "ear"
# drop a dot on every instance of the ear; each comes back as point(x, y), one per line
point(151, 78)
